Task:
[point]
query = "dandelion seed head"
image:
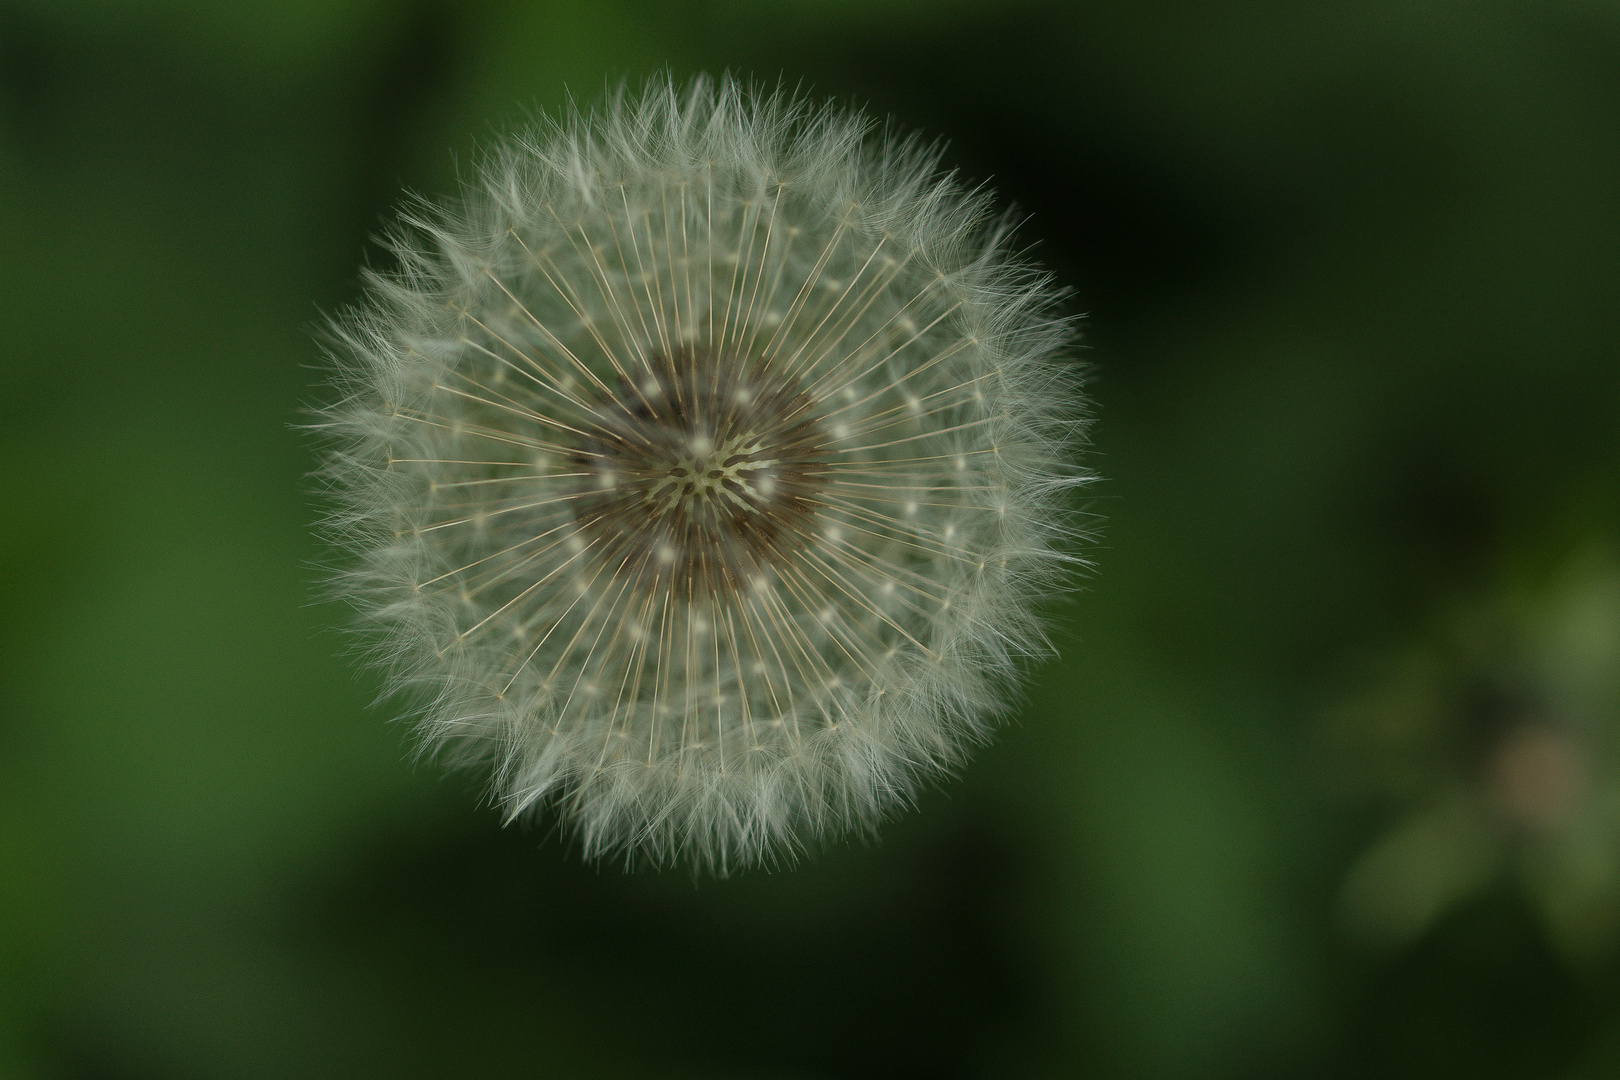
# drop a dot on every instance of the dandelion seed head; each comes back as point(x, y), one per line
point(670, 461)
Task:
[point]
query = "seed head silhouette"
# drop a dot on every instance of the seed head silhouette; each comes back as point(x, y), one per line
point(700, 469)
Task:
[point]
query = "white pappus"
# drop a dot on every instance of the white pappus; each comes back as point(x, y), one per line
point(700, 470)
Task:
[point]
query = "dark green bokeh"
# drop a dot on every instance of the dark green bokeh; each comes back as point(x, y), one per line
point(1351, 275)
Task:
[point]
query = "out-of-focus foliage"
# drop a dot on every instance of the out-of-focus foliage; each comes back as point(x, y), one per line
point(1502, 733)
point(1350, 276)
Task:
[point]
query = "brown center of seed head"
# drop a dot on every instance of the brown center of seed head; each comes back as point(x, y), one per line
point(702, 471)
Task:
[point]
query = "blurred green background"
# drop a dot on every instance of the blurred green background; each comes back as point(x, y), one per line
point(1323, 785)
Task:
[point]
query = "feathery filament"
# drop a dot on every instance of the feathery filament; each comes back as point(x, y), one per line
point(701, 468)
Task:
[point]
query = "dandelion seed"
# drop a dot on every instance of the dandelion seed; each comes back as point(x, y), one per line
point(671, 461)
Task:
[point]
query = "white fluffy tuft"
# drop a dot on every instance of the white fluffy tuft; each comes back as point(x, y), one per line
point(701, 470)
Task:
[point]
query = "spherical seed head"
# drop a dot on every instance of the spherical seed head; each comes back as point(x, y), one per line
point(700, 469)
